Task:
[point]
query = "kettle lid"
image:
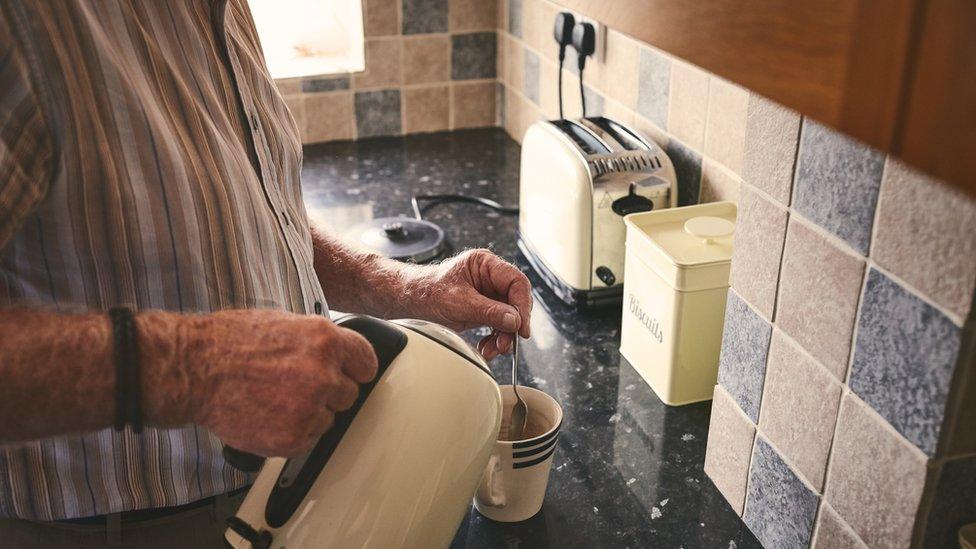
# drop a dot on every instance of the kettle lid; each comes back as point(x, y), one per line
point(447, 338)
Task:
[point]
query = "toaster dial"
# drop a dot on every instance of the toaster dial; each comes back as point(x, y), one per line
point(606, 275)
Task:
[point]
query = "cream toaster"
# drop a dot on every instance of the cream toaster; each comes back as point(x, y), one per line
point(578, 180)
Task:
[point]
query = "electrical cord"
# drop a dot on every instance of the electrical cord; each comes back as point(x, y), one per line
point(562, 56)
point(443, 198)
point(582, 95)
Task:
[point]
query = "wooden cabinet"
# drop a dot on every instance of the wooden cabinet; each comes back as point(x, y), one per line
point(898, 74)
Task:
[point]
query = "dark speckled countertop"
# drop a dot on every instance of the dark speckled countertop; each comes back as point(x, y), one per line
point(628, 469)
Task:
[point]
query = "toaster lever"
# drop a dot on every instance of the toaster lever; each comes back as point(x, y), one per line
point(632, 203)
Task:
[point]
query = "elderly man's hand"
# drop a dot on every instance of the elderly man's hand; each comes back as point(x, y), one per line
point(265, 382)
point(477, 288)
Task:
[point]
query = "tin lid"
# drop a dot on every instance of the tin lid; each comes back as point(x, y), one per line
point(692, 235)
point(691, 246)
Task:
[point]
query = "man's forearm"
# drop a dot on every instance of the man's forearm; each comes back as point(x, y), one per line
point(360, 282)
point(57, 373)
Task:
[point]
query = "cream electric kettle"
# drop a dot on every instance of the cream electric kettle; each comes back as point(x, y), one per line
point(399, 468)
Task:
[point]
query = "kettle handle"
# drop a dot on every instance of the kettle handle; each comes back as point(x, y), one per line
point(386, 347)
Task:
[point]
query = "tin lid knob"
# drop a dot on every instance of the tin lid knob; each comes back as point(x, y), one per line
point(708, 228)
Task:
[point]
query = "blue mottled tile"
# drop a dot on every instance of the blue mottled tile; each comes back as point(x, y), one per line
point(780, 509)
point(473, 56)
point(742, 365)
point(424, 16)
point(595, 104)
point(836, 184)
point(378, 113)
point(653, 87)
point(313, 85)
point(903, 359)
point(515, 17)
point(688, 168)
point(530, 78)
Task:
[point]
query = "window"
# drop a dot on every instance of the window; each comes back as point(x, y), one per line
point(310, 37)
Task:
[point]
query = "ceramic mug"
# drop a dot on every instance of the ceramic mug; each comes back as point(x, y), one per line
point(515, 479)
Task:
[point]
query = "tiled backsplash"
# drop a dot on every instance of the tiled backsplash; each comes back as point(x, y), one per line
point(430, 66)
point(845, 347)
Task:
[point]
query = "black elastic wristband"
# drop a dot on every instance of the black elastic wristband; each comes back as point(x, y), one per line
point(128, 405)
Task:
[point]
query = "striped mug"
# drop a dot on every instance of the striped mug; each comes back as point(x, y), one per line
point(515, 479)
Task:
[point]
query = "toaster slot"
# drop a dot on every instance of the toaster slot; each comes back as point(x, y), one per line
point(583, 138)
point(619, 133)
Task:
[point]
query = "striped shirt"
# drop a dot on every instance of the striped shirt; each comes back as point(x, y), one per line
point(146, 158)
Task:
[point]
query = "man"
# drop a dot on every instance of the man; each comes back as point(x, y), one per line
point(147, 160)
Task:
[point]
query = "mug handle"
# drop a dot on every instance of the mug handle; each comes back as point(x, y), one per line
point(494, 496)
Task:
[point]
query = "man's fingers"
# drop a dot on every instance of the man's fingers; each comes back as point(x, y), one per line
point(495, 314)
point(504, 342)
point(487, 346)
point(508, 281)
point(342, 394)
point(360, 360)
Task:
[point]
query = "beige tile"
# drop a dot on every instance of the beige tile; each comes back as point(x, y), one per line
point(289, 86)
point(799, 408)
point(384, 60)
point(772, 132)
point(501, 17)
point(833, 533)
point(531, 113)
point(296, 106)
point(652, 131)
point(617, 111)
point(620, 75)
point(514, 62)
point(725, 133)
point(876, 477)
point(381, 17)
point(513, 114)
point(718, 183)
point(924, 233)
point(532, 27)
point(760, 231)
point(329, 117)
point(471, 15)
point(473, 104)
point(818, 293)
point(541, 36)
point(689, 104)
point(548, 88)
point(426, 109)
point(730, 436)
point(426, 58)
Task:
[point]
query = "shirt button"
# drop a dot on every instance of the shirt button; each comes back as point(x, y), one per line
point(254, 122)
point(318, 307)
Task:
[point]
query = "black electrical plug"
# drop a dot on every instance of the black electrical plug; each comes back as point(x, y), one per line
point(562, 31)
point(584, 41)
